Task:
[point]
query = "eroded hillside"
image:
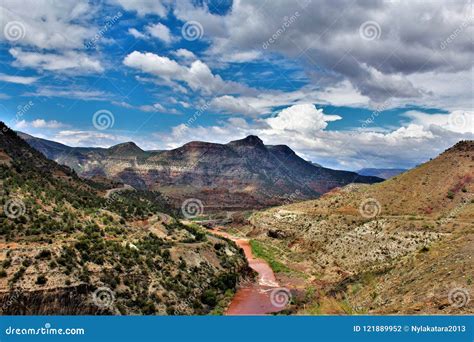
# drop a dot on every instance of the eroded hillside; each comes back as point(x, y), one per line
point(402, 246)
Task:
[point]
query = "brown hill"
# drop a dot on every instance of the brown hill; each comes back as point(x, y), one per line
point(401, 246)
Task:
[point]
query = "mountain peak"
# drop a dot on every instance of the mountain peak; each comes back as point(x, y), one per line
point(251, 140)
point(461, 146)
point(126, 147)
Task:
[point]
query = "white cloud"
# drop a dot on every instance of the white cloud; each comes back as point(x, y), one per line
point(17, 79)
point(39, 123)
point(185, 54)
point(143, 7)
point(69, 61)
point(137, 34)
point(197, 76)
point(302, 118)
point(73, 93)
point(233, 105)
point(78, 138)
point(49, 24)
point(161, 32)
point(152, 108)
point(457, 121)
point(325, 38)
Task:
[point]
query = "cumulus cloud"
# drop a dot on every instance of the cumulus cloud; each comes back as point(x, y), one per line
point(305, 118)
point(69, 61)
point(198, 76)
point(411, 38)
point(160, 31)
point(185, 54)
point(48, 24)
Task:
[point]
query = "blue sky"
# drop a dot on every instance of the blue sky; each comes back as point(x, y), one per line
point(347, 85)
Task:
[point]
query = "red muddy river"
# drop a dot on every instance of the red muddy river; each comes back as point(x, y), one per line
point(261, 297)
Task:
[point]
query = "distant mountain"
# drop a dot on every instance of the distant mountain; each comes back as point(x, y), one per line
point(239, 175)
point(403, 246)
point(67, 240)
point(381, 173)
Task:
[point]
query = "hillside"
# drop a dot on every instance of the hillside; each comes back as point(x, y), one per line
point(243, 174)
point(401, 246)
point(69, 246)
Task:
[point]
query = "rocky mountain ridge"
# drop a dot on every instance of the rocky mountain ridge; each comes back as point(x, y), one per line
point(243, 174)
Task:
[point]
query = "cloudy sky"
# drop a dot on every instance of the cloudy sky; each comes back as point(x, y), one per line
point(347, 84)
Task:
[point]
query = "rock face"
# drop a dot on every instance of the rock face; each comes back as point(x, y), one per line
point(239, 175)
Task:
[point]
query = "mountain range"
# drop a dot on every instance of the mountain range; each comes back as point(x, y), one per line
point(399, 246)
point(70, 246)
point(243, 174)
